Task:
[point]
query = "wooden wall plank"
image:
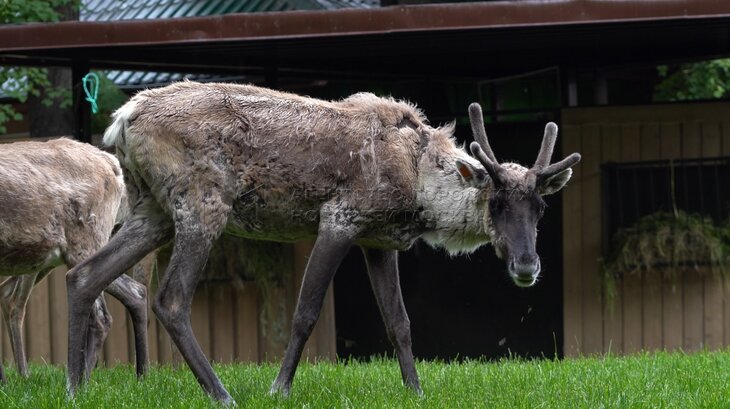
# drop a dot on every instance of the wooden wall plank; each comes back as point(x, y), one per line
point(591, 238)
point(164, 343)
point(325, 337)
point(37, 325)
point(152, 329)
point(725, 130)
point(222, 322)
point(200, 317)
point(672, 310)
point(59, 315)
point(116, 346)
point(713, 307)
point(651, 300)
point(693, 304)
point(572, 250)
point(632, 284)
point(302, 250)
point(247, 318)
point(272, 342)
point(280, 300)
point(613, 307)
point(7, 352)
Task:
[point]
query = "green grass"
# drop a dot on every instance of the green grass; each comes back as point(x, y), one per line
point(661, 380)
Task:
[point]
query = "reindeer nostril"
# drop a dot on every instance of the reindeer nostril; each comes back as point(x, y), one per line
point(529, 259)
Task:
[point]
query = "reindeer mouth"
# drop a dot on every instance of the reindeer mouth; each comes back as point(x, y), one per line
point(521, 281)
point(524, 275)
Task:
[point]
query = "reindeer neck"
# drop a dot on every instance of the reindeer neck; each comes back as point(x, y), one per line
point(454, 213)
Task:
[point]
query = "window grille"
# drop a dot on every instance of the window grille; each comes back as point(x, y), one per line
point(633, 190)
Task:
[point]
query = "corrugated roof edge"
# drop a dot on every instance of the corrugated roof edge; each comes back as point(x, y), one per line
point(114, 10)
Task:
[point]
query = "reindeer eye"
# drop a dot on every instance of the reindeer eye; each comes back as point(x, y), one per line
point(539, 205)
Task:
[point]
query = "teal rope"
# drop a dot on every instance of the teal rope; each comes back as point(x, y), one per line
point(91, 88)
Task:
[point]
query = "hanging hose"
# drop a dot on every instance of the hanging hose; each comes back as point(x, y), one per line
point(91, 88)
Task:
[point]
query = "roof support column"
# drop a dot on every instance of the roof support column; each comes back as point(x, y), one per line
point(81, 108)
point(569, 87)
point(600, 90)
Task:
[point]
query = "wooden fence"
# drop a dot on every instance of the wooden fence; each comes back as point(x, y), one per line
point(648, 313)
point(226, 321)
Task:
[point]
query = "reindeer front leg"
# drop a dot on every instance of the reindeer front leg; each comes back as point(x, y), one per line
point(14, 294)
point(384, 278)
point(85, 282)
point(331, 246)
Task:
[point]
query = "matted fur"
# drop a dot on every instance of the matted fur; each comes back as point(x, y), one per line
point(275, 158)
point(59, 201)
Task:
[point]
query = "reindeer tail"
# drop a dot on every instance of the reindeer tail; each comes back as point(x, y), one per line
point(114, 134)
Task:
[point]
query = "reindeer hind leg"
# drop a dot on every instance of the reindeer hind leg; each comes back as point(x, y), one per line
point(197, 223)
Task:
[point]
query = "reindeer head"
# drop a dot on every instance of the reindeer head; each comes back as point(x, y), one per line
point(514, 197)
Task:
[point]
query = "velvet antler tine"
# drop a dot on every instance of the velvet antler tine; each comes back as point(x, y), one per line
point(492, 167)
point(546, 149)
point(480, 133)
point(558, 167)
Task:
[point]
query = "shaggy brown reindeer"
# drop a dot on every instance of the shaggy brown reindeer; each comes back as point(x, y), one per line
point(204, 159)
point(59, 201)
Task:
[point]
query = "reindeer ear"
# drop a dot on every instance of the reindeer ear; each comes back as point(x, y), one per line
point(472, 175)
point(555, 183)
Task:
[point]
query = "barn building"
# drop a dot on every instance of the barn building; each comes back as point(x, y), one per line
point(590, 66)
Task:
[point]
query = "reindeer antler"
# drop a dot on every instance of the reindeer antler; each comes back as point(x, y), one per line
point(480, 149)
point(542, 167)
point(558, 167)
point(477, 128)
point(546, 149)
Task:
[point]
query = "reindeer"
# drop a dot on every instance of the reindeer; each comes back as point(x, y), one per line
point(205, 159)
point(59, 201)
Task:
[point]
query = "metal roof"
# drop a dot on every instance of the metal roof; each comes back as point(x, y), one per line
point(464, 40)
point(115, 10)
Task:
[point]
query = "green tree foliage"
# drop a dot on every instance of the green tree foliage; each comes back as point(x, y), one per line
point(110, 98)
point(19, 82)
point(694, 81)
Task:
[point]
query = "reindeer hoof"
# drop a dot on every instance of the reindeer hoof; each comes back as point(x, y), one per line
point(280, 389)
point(228, 402)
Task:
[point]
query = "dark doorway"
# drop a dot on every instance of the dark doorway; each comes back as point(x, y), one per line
point(464, 307)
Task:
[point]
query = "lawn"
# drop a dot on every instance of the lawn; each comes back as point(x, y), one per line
point(660, 380)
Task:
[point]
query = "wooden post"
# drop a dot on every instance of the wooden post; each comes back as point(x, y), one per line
point(81, 108)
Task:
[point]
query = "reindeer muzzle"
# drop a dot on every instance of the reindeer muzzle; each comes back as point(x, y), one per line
point(524, 273)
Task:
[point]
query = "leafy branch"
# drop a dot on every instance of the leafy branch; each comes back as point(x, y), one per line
point(18, 83)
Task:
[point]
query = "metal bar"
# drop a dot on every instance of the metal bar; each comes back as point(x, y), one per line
point(635, 185)
point(81, 108)
point(719, 160)
point(606, 214)
point(433, 17)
